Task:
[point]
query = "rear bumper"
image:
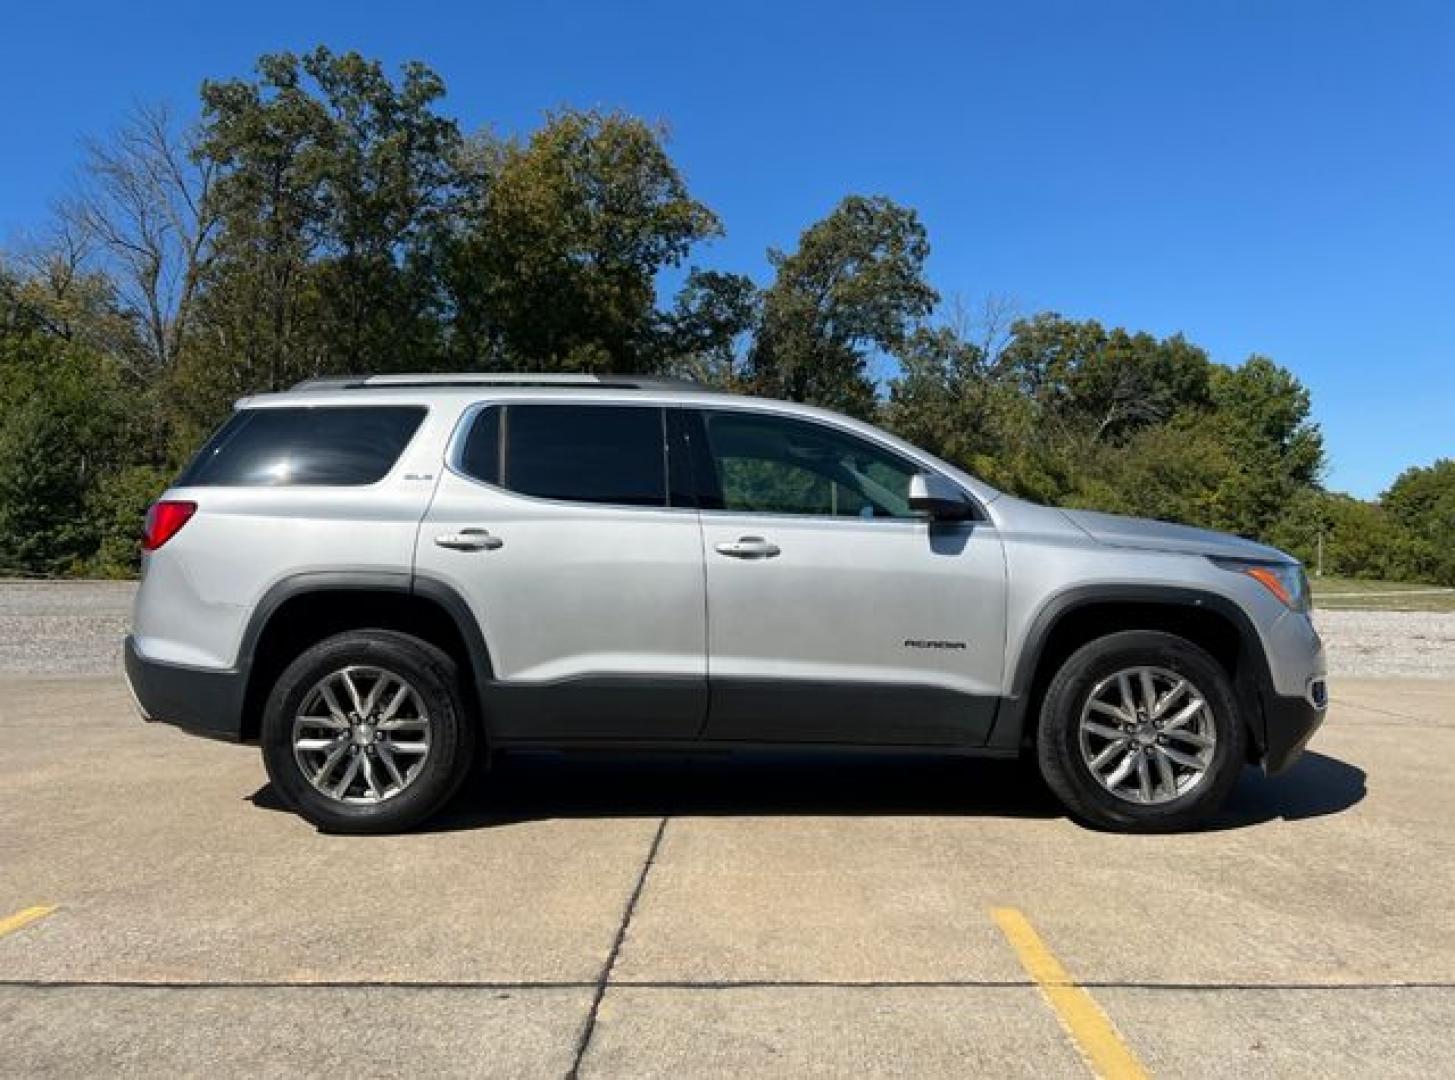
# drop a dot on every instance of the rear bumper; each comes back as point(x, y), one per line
point(1289, 723)
point(198, 700)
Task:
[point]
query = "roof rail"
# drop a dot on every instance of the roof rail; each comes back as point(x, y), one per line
point(500, 378)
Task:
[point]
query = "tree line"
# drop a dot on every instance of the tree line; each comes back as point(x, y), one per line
point(326, 216)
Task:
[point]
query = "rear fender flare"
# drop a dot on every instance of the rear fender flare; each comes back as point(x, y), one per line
point(445, 596)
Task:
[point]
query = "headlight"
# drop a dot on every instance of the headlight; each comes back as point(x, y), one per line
point(1286, 581)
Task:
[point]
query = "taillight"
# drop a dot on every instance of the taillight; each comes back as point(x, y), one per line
point(164, 519)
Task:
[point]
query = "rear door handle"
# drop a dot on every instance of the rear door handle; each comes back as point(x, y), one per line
point(748, 547)
point(470, 540)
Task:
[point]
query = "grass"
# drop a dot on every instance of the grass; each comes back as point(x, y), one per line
point(1352, 594)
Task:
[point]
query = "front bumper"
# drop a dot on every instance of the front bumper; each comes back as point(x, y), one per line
point(199, 700)
point(1289, 723)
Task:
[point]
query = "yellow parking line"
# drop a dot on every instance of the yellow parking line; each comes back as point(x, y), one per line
point(1102, 1048)
point(23, 917)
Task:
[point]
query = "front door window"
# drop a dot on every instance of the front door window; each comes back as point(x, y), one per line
point(778, 465)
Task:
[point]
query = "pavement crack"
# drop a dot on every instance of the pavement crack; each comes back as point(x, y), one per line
point(469, 985)
point(606, 969)
point(1384, 712)
point(475, 985)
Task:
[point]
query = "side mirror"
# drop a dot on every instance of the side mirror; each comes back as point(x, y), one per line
point(934, 496)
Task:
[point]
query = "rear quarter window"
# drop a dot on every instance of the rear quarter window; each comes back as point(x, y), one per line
point(324, 445)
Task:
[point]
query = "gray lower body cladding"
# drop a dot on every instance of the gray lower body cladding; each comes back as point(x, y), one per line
point(1289, 723)
point(199, 700)
point(679, 711)
point(669, 710)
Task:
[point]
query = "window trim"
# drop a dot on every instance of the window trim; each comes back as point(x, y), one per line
point(454, 458)
point(695, 413)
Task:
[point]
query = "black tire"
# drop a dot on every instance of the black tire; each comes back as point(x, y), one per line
point(1058, 749)
point(453, 731)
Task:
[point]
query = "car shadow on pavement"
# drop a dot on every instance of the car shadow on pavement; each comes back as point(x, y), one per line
point(540, 786)
point(748, 784)
point(1317, 785)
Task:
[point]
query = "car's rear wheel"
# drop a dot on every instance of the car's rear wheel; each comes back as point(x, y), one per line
point(1140, 731)
point(367, 732)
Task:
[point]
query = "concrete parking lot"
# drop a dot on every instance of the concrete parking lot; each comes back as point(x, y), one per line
point(827, 915)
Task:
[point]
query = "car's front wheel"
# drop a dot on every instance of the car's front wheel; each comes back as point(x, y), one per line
point(367, 732)
point(1140, 731)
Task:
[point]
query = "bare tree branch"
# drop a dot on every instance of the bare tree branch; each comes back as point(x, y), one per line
point(145, 207)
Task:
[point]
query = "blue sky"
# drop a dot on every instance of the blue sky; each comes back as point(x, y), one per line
point(1262, 177)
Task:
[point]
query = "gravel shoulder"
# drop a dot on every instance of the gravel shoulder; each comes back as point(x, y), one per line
point(76, 627)
point(1377, 644)
point(63, 627)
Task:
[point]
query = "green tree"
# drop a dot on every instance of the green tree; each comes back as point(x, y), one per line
point(332, 182)
point(1422, 501)
point(1304, 520)
point(704, 334)
point(555, 266)
point(63, 426)
point(855, 286)
point(1262, 413)
point(944, 397)
point(1102, 383)
point(116, 506)
point(1363, 541)
point(1177, 471)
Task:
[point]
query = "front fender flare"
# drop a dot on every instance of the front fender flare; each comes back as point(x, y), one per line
point(1012, 719)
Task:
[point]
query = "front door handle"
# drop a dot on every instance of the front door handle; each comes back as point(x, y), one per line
point(748, 547)
point(470, 540)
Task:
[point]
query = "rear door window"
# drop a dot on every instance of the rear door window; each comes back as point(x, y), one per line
point(614, 454)
point(307, 445)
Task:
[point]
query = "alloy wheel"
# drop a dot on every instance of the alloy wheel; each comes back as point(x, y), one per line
point(1147, 735)
point(361, 735)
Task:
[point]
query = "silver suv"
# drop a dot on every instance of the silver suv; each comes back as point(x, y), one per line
point(382, 579)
